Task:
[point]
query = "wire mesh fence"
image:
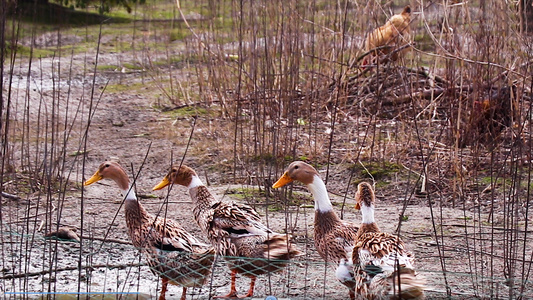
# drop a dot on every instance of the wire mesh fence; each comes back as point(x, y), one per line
point(243, 88)
point(39, 266)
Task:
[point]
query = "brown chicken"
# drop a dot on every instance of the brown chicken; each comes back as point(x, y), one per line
point(389, 38)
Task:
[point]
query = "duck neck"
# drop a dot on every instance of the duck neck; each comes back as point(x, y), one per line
point(130, 194)
point(195, 182)
point(320, 195)
point(368, 224)
point(367, 214)
point(134, 212)
point(131, 205)
point(123, 183)
point(199, 193)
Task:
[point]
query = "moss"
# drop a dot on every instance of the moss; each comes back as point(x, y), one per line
point(132, 66)
point(288, 158)
point(119, 88)
point(496, 181)
point(295, 198)
point(23, 51)
point(188, 111)
point(107, 67)
point(240, 193)
point(376, 170)
point(179, 34)
point(121, 15)
point(381, 184)
point(274, 208)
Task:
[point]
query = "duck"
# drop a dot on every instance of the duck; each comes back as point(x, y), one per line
point(380, 259)
point(235, 231)
point(387, 39)
point(334, 238)
point(172, 253)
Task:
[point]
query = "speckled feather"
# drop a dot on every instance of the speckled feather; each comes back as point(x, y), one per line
point(379, 256)
point(235, 230)
point(170, 250)
point(379, 245)
point(334, 238)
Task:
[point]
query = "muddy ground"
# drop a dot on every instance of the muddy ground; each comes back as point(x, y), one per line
point(128, 125)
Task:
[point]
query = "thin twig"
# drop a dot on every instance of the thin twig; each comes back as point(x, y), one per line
point(10, 196)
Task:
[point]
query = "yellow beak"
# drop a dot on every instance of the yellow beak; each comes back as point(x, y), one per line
point(96, 177)
point(284, 180)
point(162, 184)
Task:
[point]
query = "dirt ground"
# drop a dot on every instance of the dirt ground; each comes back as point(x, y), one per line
point(127, 126)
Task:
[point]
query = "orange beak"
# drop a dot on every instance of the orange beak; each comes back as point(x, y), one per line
point(96, 177)
point(284, 180)
point(162, 184)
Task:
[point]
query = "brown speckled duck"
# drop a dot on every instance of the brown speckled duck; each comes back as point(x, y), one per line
point(172, 253)
point(235, 230)
point(383, 268)
point(334, 238)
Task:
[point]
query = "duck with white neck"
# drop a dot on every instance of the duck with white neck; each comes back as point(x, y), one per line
point(235, 230)
point(383, 267)
point(334, 238)
point(172, 253)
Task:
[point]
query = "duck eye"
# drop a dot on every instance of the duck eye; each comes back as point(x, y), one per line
point(296, 167)
point(107, 165)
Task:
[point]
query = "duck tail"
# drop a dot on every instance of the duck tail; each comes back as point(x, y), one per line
point(205, 258)
point(279, 247)
point(408, 284)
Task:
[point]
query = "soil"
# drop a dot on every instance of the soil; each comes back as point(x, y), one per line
point(127, 126)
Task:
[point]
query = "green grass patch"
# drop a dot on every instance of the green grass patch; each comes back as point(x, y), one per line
point(23, 51)
point(120, 88)
point(188, 111)
point(377, 170)
point(107, 67)
point(496, 181)
point(179, 34)
point(132, 66)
